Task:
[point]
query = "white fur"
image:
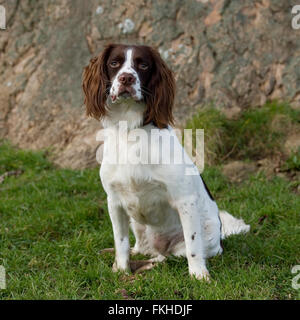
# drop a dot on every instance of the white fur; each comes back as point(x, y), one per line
point(169, 212)
point(127, 68)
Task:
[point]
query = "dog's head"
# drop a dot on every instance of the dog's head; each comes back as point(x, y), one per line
point(130, 72)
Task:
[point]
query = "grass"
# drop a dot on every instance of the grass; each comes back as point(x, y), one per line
point(255, 134)
point(54, 222)
point(293, 161)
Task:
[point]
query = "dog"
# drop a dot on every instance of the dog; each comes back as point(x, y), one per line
point(169, 211)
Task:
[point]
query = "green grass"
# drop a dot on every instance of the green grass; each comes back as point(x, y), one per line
point(255, 134)
point(55, 221)
point(293, 161)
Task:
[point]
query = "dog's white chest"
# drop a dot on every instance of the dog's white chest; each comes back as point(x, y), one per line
point(142, 199)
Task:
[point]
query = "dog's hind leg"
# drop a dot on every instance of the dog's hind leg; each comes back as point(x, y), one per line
point(138, 266)
point(112, 250)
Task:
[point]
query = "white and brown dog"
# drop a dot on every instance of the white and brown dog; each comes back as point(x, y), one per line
point(170, 212)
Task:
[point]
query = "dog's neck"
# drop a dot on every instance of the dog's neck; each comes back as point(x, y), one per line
point(124, 110)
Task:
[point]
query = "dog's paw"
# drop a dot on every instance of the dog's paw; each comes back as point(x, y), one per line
point(117, 268)
point(134, 251)
point(201, 274)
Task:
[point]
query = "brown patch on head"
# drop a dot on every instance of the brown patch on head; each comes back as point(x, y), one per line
point(161, 86)
point(115, 60)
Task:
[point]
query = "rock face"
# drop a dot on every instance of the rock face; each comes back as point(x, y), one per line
point(233, 53)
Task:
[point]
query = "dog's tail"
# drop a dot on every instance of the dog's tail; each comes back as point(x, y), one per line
point(231, 225)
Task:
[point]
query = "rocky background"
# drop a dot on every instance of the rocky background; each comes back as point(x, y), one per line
point(236, 54)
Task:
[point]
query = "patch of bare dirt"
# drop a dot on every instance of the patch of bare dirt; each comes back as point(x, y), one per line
point(237, 171)
point(292, 143)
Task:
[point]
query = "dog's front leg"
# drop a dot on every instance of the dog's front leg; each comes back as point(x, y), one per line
point(190, 216)
point(120, 224)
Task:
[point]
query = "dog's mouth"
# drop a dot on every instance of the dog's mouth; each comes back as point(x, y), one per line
point(124, 93)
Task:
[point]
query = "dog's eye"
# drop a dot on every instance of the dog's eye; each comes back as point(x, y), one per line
point(114, 64)
point(143, 66)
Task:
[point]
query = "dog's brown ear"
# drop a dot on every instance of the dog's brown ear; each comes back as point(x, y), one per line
point(162, 87)
point(95, 84)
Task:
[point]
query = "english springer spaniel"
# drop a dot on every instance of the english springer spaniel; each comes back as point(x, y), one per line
point(170, 212)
